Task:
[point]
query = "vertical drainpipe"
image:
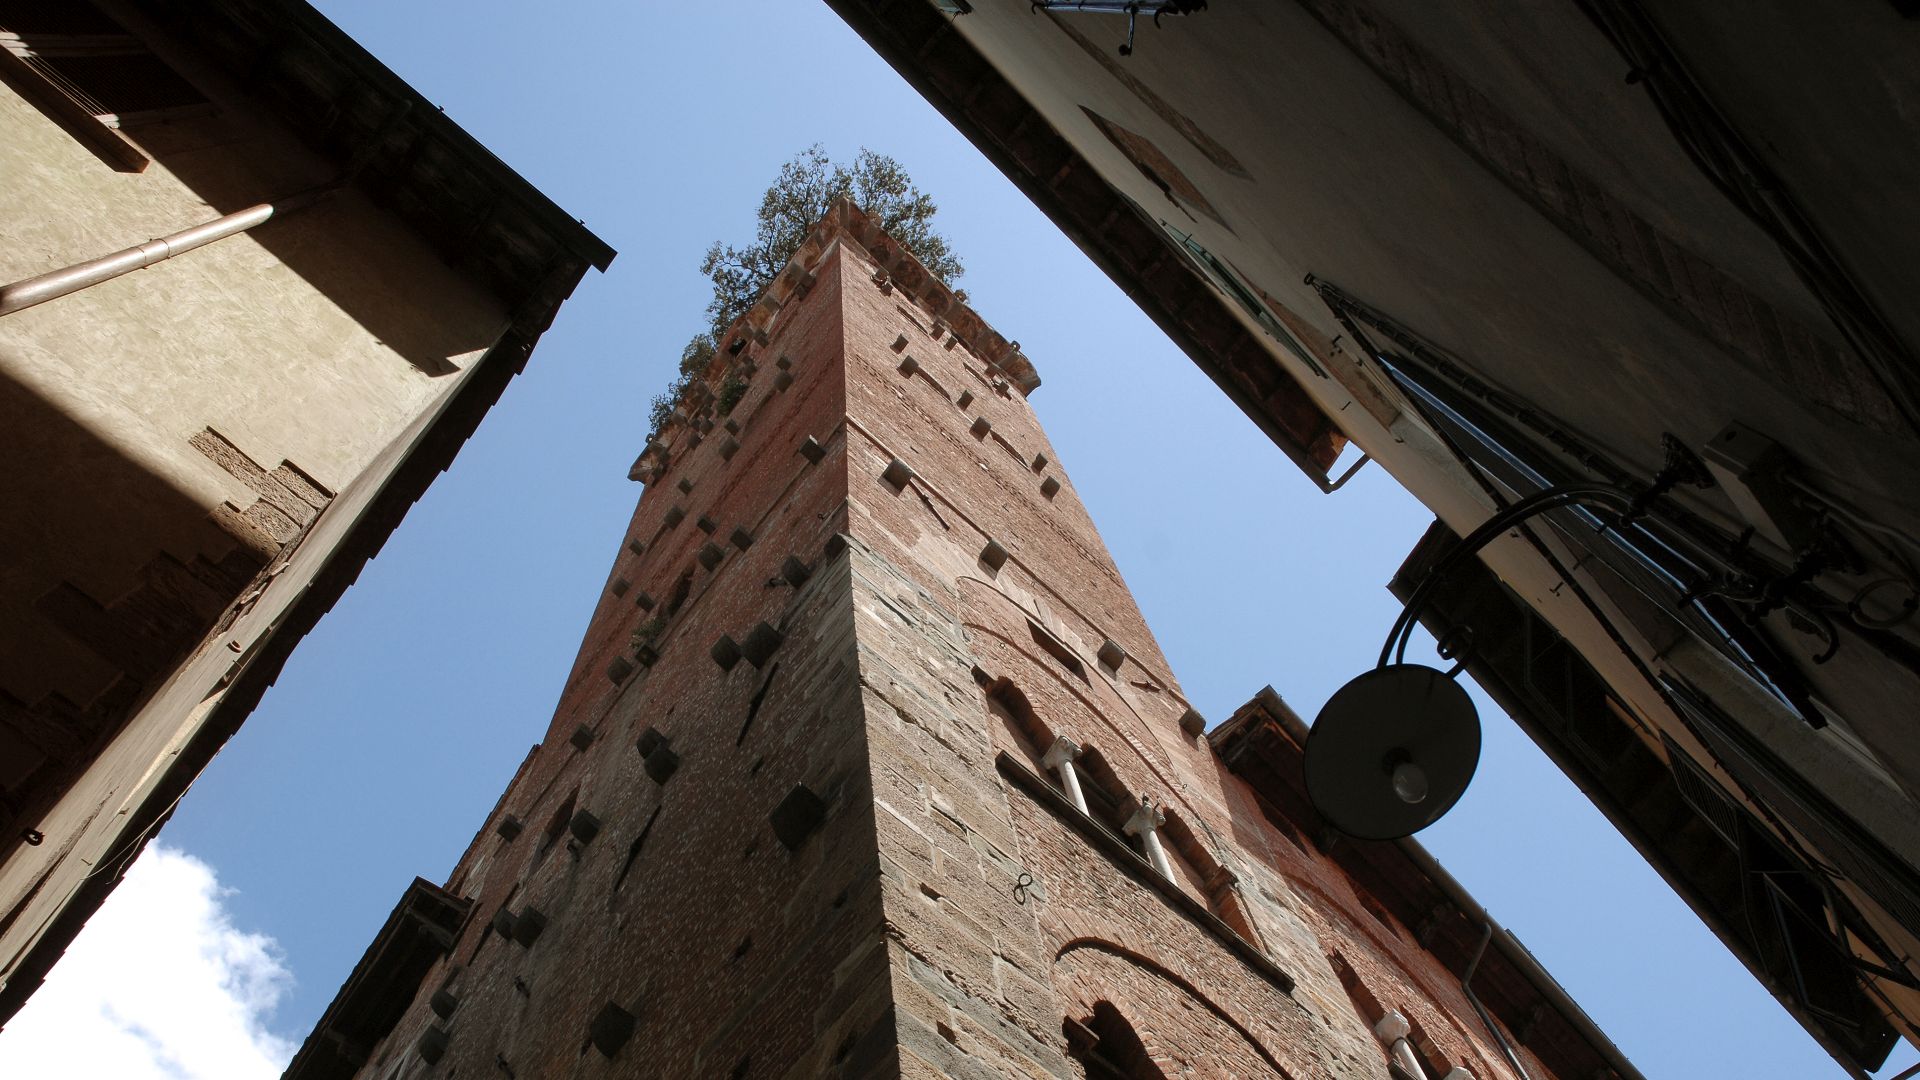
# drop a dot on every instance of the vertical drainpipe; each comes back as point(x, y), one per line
point(1466, 987)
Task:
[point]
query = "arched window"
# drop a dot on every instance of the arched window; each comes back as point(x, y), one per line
point(1415, 1040)
point(1107, 1046)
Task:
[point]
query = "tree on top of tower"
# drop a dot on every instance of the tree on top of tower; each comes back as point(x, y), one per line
point(798, 197)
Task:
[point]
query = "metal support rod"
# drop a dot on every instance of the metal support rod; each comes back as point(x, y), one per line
point(1466, 987)
point(52, 285)
point(1503, 519)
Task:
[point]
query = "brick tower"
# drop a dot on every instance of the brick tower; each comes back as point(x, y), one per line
point(869, 767)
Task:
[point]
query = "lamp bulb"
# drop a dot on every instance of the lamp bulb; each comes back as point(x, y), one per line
point(1410, 782)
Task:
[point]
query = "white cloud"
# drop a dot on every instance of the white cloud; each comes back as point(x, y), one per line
point(159, 986)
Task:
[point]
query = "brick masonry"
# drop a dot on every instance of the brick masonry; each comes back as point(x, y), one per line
point(822, 839)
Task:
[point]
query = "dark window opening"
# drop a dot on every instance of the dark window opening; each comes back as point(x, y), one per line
point(681, 589)
point(1057, 649)
point(1190, 857)
point(1006, 702)
point(556, 826)
point(93, 62)
point(1109, 1048)
point(1108, 801)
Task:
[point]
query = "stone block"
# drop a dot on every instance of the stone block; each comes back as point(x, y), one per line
point(729, 446)
point(836, 544)
point(443, 1002)
point(782, 381)
point(710, 555)
point(725, 652)
point(908, 365)
point(965, 399)
point(741, 538)
point(620, 586)
point(784, 362)
point(1193, 723)
point(797, 817)
point(899, 343)
point(1050, 486)
point(584, 826)
point(508, 828)
point(761, 644)
point(619, 669)
point(503, 923)
point(897, 473)
point(794, 572)
point(980, 426)
point(994, 555)
point(528, 926)
point(732, 425)
point(646, 656)
point(581, 738)
point(685, 485)
point(812, 450)
point(643, 601)
point(649, 741)
point(432, 1044)
point(610, 1029)
point(1111, 654)
point(661, 764)
point(1039, 462)
point(706, 524)
point(675, 516)
point(636, 547)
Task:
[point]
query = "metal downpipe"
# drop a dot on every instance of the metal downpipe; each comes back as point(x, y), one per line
point(1466, 987)
point(57, 283)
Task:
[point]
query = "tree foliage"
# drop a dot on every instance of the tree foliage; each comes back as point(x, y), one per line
point(799, 195)
point(693, 360)
point(805, 187)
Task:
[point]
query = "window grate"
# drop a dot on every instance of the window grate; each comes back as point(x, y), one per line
point(1701, 793)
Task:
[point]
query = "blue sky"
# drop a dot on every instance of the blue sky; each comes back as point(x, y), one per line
point(400, 719)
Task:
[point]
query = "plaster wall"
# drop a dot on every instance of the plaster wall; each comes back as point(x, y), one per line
point(186, 445)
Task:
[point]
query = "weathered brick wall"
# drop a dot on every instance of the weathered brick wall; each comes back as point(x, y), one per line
point(993, 970)
point(686, 910)
point(951, 914)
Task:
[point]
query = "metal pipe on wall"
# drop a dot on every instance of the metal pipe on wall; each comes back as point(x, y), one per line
point(1466, 987)
point(71, 279)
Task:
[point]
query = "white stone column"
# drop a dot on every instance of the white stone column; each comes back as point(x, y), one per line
point(1145, 824)
point(1394, 1031)
point(1059, 758)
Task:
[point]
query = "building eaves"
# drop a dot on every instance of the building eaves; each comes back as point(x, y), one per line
point(420, 930)
point(1262, 744)
point(480, 215)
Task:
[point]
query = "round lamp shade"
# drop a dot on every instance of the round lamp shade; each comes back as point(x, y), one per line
point(1392, 751)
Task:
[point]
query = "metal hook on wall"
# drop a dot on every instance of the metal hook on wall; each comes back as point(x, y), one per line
point(1130, 8)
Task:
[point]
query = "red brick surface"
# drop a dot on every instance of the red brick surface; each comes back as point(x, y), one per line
point(943, 919)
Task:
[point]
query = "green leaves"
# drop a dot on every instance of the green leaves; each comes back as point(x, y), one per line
point(799, 195)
